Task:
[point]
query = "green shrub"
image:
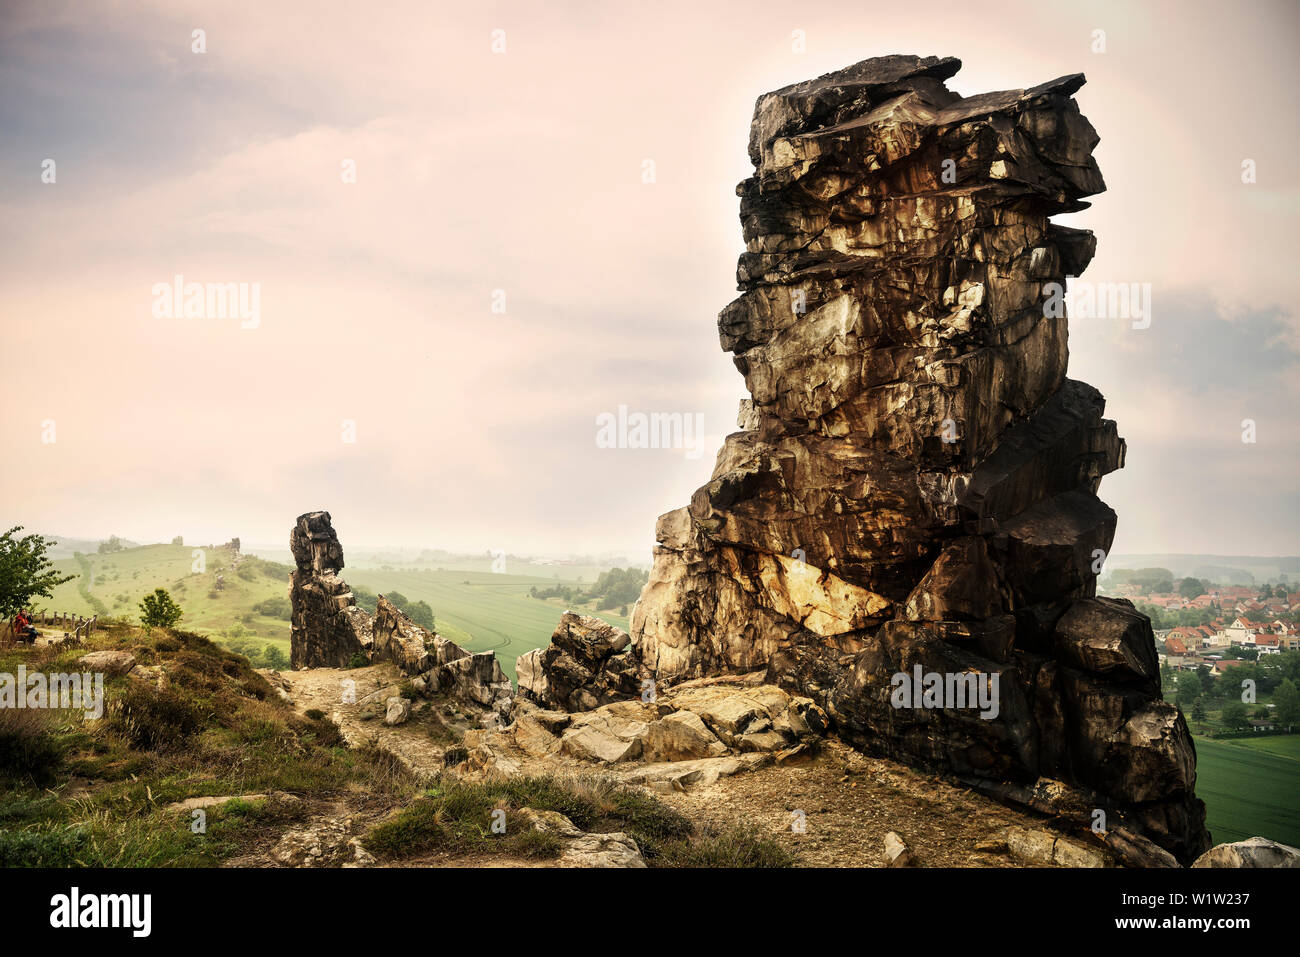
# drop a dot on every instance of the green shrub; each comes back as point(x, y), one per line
point(158, 610)
point(277, 607)
point(456, 816)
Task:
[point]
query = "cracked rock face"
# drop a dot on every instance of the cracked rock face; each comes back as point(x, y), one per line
point(914, 483)
point(586, 665)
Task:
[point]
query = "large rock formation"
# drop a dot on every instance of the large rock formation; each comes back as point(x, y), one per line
point(329, 630)
point(913, 491)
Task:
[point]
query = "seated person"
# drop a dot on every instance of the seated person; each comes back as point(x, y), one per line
point(23, 629)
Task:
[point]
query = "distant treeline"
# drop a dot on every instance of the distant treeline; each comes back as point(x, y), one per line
point(419, 612)
point(615, 588)
point(250, 567)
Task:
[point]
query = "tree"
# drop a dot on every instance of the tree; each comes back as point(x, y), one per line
point(25, 571)
point(275, 658)
point(422, 615)
point(1287, 699)
point(275, 607)
point(178, 540)
point(365, 598)
point(159, 611)
point(114, 544)
point(1191, 588)
point(1189, 688)
point(1234, 715)
point(1198, 713)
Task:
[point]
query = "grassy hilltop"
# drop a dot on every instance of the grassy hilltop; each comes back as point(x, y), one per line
point(112, 584)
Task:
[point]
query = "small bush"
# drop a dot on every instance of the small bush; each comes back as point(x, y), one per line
point(739, 845)
point(158, 610)
point(151, 719)
point(28, 746)
point(457, 817)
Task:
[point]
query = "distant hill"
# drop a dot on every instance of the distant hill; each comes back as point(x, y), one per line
point(1226, 569)
point(65, 546)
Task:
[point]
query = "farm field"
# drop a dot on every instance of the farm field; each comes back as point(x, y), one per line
point(1250, 787)
point(1282, 745)
point(478, 610)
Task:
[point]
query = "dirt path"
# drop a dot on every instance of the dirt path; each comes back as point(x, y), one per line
point(354, 699)
point(848, 802)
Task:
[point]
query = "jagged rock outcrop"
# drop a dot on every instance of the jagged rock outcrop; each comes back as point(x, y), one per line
point(406, 644)
point(913, 491)
point(329, 630)
point(587, 664)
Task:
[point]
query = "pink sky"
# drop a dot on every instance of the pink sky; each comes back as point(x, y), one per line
point(522, 171)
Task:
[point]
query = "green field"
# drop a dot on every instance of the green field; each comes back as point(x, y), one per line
point(1250, 786)
point(478, 610)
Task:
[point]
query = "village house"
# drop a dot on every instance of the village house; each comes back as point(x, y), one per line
point(1242, 631)
point(1268, 644)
